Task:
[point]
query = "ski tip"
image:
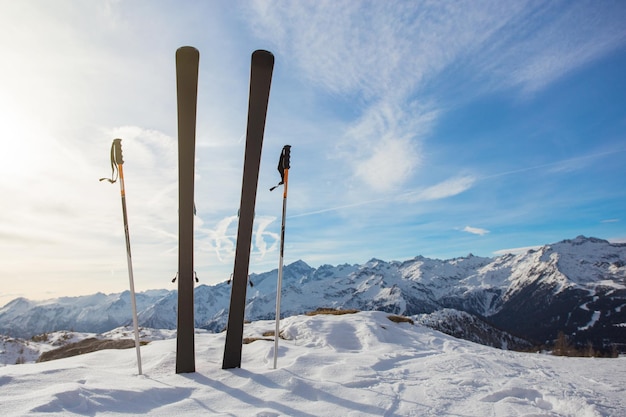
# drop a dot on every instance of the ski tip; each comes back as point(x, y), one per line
point(263, 56)
point(187, 51)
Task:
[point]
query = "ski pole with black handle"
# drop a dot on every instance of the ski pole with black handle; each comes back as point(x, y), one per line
point(283, 168)
point(117, 164)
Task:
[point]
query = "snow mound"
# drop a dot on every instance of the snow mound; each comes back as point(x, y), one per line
point(351, 365)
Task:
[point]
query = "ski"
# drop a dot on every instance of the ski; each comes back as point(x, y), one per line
point(187, 60)
point(260, 82)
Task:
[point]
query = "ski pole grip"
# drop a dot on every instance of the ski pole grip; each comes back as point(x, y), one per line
point(117, 151)
point(286, 156)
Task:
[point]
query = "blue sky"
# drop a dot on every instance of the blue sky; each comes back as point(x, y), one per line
point(417, 128)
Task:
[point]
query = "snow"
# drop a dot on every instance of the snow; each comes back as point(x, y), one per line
point(594, 319)
point(15, 350)
point(351, 365)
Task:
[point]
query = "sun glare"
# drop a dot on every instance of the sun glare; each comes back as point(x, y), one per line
point(22, 145)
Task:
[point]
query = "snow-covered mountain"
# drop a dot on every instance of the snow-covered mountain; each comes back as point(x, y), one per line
point(95, 313)
point(470, 327)
point(576, 286)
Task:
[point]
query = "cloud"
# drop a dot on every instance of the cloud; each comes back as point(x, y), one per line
point(515, 251)
point(339, 46)
point(475, 230)
point(562, 165)
point(444, 189)
point(539, 43)
point(336, 208)
point(447, 188)
point(388, 166)
point(581, 33)
point(262, 234)
point(383, 145)
point(222, 239)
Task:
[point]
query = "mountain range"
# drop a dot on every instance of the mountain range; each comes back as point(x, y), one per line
point(576, 286)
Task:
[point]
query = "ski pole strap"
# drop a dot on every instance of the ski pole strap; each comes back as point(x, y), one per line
point(116, 159)
point(283, 164)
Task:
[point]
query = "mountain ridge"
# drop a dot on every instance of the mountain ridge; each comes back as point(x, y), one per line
point(577, 286)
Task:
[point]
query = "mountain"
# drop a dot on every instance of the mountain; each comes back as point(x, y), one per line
point(467, 326)
point(95, 313)
point(576, 286)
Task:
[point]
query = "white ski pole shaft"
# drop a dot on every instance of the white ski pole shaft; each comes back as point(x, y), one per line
point(133, 303)
point(280, 270)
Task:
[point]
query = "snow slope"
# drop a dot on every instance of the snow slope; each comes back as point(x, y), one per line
point(18, 351)
point(351, 365)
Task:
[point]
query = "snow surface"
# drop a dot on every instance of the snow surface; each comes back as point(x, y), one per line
point(15, 350)
point(352, 365)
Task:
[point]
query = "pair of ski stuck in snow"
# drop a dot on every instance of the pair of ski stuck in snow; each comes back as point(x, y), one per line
point(187, 63)
point(262, 66)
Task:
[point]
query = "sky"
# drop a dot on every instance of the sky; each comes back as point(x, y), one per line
point(417, 128)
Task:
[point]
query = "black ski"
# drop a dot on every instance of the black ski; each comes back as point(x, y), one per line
point(260, 82)
point(187, 59)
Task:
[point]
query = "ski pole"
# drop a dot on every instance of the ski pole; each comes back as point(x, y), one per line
point(116, 163)
point(283, 168)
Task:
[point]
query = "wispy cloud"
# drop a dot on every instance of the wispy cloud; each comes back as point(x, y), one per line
point(563, 165)
point(335, 208)
point(475, 230)
point(222, 239)
point(583, 32)
point(515, 251)
point(262, 235)
point(384, 144)
point(339, 46)
point(444, 189)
